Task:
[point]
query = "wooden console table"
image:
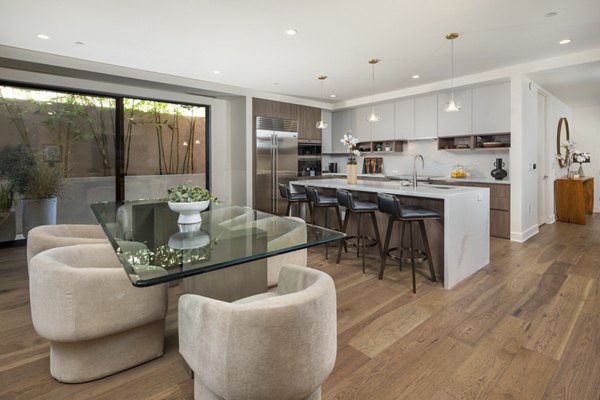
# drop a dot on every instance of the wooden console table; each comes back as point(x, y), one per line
point(573, 199)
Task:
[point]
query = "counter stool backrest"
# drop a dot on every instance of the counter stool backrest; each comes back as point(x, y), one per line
point(388, 204)
point(312, 193)
point(345, 198)
point(284, 191)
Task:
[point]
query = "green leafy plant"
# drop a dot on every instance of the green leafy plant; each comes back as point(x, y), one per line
point(189, 193)
point(29, 173)
point(6, 199)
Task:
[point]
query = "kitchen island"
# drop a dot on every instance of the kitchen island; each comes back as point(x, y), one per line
point(460, 241)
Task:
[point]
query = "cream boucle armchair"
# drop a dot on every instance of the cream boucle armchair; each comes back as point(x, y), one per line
point(50, 236)
point(277, 345)
point(97, 322)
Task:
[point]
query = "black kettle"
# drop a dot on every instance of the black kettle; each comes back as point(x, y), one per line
point(498, 173)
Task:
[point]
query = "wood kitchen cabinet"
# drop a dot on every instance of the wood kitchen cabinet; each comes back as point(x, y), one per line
point(276, 109)
point(307, 123)
point(573, 198)
point(499, 205)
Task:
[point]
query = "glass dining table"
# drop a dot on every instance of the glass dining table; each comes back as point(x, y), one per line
point(232, 243)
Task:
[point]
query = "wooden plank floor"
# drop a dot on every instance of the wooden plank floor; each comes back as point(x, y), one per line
point(525, 327)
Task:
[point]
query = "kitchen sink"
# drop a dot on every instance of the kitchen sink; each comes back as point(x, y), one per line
point(440, 187)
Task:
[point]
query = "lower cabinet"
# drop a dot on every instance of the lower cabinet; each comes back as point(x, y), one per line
point(499, 205)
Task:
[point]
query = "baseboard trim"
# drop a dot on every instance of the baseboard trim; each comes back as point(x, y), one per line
point(522, 237)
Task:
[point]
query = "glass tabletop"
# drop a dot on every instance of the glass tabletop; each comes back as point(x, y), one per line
point(154, 248)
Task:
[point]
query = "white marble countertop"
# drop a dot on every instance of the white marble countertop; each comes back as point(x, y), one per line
point(391, 187)
point(474, 180)
point(424, 178)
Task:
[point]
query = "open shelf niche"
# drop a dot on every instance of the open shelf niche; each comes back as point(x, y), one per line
point(395, 146)
point(475, 142)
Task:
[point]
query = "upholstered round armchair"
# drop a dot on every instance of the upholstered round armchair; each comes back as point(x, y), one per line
point(277, 345)
point(50, 236)
point(97, 322)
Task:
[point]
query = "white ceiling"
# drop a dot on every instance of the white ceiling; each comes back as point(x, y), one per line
point(246, 40)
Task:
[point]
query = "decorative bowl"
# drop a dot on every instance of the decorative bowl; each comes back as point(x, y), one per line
point(189, 213)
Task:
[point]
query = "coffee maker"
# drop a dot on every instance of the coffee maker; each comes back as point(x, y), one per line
point(333, 167)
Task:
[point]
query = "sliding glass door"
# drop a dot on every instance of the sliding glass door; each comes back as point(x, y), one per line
point(70, 141)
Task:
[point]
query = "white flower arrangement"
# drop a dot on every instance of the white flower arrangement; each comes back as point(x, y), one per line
point(581, 156)
point(351, 142)
point(567, 158)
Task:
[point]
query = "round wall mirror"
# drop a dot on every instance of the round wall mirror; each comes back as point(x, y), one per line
point(562, 135)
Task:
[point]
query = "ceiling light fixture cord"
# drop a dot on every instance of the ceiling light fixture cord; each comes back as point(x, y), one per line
point(452, 69)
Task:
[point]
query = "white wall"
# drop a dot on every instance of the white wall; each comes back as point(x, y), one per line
point(585, 132)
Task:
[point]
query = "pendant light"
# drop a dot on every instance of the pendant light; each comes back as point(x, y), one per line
point(373, 117)
point(452, 105)
point(321, 124)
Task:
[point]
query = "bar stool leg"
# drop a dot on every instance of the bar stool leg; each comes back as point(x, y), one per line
point(358, 246)
point(289, 207)
point(343, 241)
point(402, 244)
point(376, 228)
point(326, 247)
point(339, 220)
point(427, 250)
point(386, 246)
point(412, 260)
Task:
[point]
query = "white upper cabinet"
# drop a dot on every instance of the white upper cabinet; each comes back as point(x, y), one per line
point(405, 119)
point(384, 128)
point(341, 123)
point(491, 108)
point(363, 129)
point(426, 116)
point(457, 123)
point(326, 133)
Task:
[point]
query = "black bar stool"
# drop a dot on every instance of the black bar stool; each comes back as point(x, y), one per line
point(359, 207)
point(293, 198)
point(408, 215)
point(319, 201)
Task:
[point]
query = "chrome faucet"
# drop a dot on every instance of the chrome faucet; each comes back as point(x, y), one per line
point(414, 174)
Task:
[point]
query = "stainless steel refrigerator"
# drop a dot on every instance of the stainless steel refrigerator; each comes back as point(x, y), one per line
point(276, 161)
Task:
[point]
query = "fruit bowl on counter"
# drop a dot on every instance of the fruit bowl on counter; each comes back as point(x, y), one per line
point(458, 172)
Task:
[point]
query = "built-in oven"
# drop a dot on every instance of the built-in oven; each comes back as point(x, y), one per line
point(309, 147)
point(309, 166)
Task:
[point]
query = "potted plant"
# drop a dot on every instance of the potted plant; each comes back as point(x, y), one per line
point(7, 214)
point(189, 200)
point(36, 180)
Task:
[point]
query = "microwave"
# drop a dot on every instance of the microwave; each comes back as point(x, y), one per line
point(309, 148)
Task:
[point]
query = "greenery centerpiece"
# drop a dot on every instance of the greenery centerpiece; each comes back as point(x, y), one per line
point(189, 200)
point(353, 152)
point(36, 179)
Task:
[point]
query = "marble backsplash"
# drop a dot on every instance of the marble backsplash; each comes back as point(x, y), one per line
point(477, 163)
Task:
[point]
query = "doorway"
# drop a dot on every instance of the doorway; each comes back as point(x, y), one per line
point(542, 180)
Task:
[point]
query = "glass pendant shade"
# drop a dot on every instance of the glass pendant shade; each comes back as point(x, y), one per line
point(373, 116)
point(452, 105)
point(321, 124)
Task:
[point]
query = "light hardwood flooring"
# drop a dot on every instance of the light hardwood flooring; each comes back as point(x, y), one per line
point(525, 327)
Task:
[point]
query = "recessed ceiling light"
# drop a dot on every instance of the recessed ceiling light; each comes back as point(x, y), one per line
point(565, 41)
point(216, 72)
point(291, 32)
point(50, 113)
point(42, 36)
point(416, 76)
point(79, 43)
point(332, 96)
point(551, 14)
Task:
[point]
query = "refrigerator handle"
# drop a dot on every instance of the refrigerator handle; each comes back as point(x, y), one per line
point(275, 170)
